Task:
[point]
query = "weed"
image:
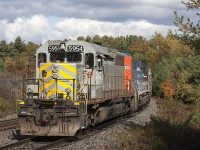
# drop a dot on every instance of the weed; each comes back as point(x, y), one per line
point(6, 107)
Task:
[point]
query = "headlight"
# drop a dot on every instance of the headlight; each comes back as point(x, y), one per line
point(55, 75)
point(54, 70)
point(67, 90)
point(30, 90)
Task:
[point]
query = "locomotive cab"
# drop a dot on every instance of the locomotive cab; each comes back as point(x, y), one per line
point(53, 95)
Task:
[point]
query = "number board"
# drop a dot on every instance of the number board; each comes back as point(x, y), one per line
point(53, 48)
point(75, 48)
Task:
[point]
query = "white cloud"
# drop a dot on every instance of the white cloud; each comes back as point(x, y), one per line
point(72, 28)
point(33, 29)
point(38, 29)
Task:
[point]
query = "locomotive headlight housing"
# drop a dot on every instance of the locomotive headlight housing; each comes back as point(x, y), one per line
point(67, 90)
point(55, 73)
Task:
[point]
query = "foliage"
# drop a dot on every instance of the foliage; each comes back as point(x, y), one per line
point(189, 31)
point(189, 81)
point(16, 60)
point(177, 77)
point(121, 43)
point(196, 116)
point(19, 45)
point(16, 56)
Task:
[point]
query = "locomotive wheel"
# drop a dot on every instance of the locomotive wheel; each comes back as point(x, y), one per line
point(87, 120)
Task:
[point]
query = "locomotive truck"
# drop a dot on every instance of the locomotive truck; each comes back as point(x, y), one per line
point(78, 85)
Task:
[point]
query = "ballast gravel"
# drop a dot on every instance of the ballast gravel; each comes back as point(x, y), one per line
point(8, 136)
point(8, 117)
point(107, 139)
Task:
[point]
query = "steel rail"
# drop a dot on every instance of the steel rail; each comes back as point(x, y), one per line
point(16, 144)
point(8, 124)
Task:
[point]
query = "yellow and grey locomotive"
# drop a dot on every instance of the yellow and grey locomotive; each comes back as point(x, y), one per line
point(79, 84)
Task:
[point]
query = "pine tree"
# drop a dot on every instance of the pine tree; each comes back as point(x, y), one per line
point(19, 45)
point(190, 30)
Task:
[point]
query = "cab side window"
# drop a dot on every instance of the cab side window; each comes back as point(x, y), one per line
point(89, 60)
point(99, 63)
point(42, 58)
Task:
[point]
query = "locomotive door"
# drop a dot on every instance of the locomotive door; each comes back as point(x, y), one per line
point(99, 77)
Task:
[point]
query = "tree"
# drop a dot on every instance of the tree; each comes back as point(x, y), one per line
point(3, 49)
point(88, 38)
point(121, 44)
point(97, 39)
point(80, 38)
point(190, 30)
point(19, 45)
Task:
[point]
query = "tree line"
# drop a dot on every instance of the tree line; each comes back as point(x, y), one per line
point(174, 58)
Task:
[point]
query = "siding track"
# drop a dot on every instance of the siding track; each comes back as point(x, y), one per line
point(8, 124)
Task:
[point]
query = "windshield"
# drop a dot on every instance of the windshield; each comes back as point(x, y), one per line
point(57, 57)
point(73, 57)
point(70, 57)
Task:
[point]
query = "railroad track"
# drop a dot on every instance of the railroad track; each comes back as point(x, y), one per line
point(14, 145)
point(8, 124)
point(80, 136)
point(31, 143)
point(84, 134)
point(45, 143)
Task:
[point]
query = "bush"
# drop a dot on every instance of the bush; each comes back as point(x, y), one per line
point(177, 124)
point(6, 107)
point(140, 138)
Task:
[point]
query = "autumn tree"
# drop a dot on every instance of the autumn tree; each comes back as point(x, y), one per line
point(178, 75)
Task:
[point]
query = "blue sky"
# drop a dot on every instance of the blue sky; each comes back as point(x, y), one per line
point(41, 20)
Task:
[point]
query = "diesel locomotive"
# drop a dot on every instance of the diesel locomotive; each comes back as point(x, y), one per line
point(78, 85)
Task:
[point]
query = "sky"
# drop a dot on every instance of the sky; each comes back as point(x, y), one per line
point(41, 20)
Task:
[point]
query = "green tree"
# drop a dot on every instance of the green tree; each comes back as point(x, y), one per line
point(97, 39)
point(88, 38)
point(19, 45)
point(80, 38)
point(3, 49)
point(107, 41)
point(121, 44)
